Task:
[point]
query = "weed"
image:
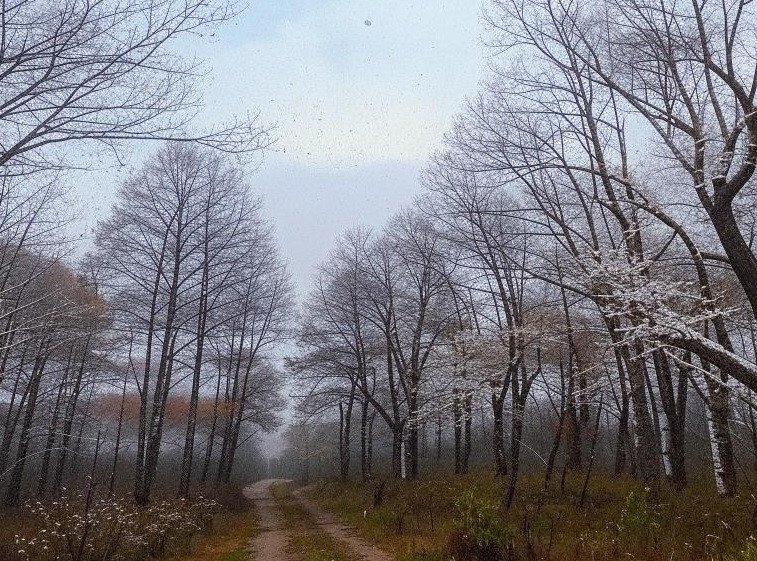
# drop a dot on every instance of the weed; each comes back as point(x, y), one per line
point(480, 532)
point(639, 515)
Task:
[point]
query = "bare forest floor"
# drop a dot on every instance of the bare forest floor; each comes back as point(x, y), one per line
point(443, 518)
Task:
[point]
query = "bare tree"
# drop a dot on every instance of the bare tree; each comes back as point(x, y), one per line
point(102, 71)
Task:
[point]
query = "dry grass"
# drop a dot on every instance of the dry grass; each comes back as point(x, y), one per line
point(228, 541)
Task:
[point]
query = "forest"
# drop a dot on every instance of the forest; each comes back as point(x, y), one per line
point(578, 276)
point(570, 303)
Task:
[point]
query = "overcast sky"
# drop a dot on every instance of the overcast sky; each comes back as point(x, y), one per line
point(361, 94)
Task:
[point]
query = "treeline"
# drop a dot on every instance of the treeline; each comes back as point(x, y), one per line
point(160, 337)
point(581, 261)
point(154, 348)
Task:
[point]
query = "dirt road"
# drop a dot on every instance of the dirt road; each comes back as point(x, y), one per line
point(272, 543)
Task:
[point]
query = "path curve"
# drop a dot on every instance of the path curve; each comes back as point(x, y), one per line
point(271, 543)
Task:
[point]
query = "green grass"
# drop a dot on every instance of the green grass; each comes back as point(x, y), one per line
point(417, 521)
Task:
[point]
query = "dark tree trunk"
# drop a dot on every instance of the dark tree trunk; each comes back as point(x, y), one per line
point(740, 256)
point(624, 434)
point(345, 422)
point(51, 436)
point(645, 453)
point(515, 441)
point(117, 447)
point(369, 452)
point(13, 417)
point(194, 396)
point(397, 433)
point(68, 421)
point(573, 459)
point(365, 472)
point(212, 435)
point(458, 431)
point(498, 435)
point(13, 494)
point(467, 427)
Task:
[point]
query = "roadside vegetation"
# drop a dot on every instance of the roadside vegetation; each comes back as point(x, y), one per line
point(441, 518)
point(87, 527)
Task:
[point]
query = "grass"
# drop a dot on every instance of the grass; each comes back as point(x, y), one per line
point(420, 520)
point(227, 541)
point(307, 542)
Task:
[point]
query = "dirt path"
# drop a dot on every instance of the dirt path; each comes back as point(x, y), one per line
point(271, 543)
point(347, 535)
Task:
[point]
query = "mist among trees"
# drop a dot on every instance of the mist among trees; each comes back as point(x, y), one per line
point(575, 291)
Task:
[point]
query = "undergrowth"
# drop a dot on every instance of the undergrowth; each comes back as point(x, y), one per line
point(89, 528)
point(441, 518)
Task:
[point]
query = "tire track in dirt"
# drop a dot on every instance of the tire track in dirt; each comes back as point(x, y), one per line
point(271, 543)
point(344, 534)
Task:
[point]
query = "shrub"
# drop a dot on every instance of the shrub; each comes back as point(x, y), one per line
point(480, 534)
point(639, 517)
point(105, 529)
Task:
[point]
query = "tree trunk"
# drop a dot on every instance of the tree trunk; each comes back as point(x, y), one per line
point(647, 459)
point(194, 396)
point(397, 461)
point(12, 496)
point(365, 473)
point(498, 435)
point(345, 422)
point(117, 447)
point(51, 436)
point(515, 441)
point(467, 427)
point(68, 423)
point(624, 434)
point(212, 435)
point(412, 433)
point(740, 256)
point(673, 441)
point(458, 431)
point(369, 452)
point(720, 437)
